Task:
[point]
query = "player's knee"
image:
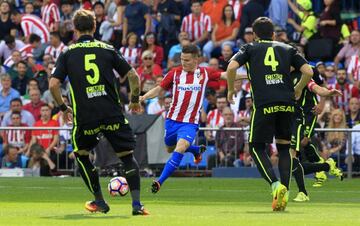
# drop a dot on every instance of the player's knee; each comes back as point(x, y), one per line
point(182, 145)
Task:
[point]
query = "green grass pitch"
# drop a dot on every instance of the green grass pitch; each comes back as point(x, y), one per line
point(181, 201)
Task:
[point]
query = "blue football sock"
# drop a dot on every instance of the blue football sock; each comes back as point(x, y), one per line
point(195, 150)
point(171, 165)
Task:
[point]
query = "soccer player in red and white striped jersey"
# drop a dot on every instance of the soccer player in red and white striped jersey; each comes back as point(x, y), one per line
point(56, 45)
point(188, 84)
point(348, 90)
point(196, 24)
point(31, 24)
point(50, 14)
point(237, 6)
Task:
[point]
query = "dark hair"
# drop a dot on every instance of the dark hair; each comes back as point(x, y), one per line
point(263, 28)
point(195, 1)
point(66, 2)
point(14, 12)
point(34, 38)
point(16, 113)
point(21, 62)
point(55, 34)
point(223, 17)
point(191, 48)
point(9, 39)
point(33, 79)
point(7, 148)
point(129, 36)
point(45, 105)
point(84, 20)
point(16, 100)
point(98, 3)
point(221, 95)
point(39, 149)
point(145, 46)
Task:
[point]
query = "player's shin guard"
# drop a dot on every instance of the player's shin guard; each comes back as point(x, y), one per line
point(89, 174)
point(298, 173)
point(315, 167)
point(171, 165)
point(263, 163)
point(311, 152)
point(132, 175)
point(285, 163)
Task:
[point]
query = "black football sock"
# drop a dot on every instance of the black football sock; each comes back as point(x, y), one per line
point(315, 167)
point(263, 163)
point(132, 175)
point(285, 163)
point(298, 173)
point(90, 175)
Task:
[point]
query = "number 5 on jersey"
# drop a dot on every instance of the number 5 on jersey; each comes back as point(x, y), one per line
point(91, 66)
point(270, 60)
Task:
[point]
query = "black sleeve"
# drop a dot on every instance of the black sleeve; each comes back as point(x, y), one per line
point(121, 66)
point(242, 55)
point(297, 60)
point(317, 77)
point(60, 71)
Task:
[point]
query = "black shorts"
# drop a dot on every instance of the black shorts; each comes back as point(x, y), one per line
point(271, 121)
point(303, 126)
point(116, 130)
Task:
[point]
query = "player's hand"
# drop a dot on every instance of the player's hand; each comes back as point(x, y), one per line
point(317, 109)
point(68, 115)
point(335, 93)
point(141, 99)
point(230, 96)
point(134, 107)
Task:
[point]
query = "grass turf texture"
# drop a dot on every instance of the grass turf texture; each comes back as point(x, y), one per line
point(181, 201)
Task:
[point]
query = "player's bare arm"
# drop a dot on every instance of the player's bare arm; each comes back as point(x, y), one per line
point(231, 75)
point(307, 74)
point(154, 92)
point(54, 87)
point(134, 90)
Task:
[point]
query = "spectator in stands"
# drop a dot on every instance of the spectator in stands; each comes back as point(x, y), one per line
point(248, 35)
point(225, 32)
point(7, 94)
point(240, 98)
point(252, 10)
point(46, 138)
point(353, 70)
point(35, 105)
point(215, 118)
point(197, 25)
point(238, 7)
point(348, 90)
point(219, 86)
point(66, 26)
point(8, 45)
point(307, 27)
point(130, 51)
point(20, 81)
point(7, 26)
point(137, 19)
point(245, 115)
point(29, 8)
point(31, 24)
point(148, 71)
point(50, 14)
point(157, 107)
point(210, 96)
point(11, 158)
point(320, 66)
point(226, 54)
point(214, 8)
point(151, 45)
point(349, 50)
point(278, 12)
point(16, 106)
point(40, 161)
point(17, 138)
point(13, 59)
point(330, 21)
point(281, 35)
point(330, 75)
point(56, 45)
point(116, 22)
point(335, 142)
point(355, 158)
point(100, 15)
point(353, 115)
point(230, 145)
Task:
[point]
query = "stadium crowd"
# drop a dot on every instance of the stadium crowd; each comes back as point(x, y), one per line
point(150, 35)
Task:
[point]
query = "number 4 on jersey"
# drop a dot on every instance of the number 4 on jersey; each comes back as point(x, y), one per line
point(270, 59)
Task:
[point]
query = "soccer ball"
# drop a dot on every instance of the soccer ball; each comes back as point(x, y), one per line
point(118, 186)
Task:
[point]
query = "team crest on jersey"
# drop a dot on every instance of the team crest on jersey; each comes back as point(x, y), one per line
point(198, 74)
